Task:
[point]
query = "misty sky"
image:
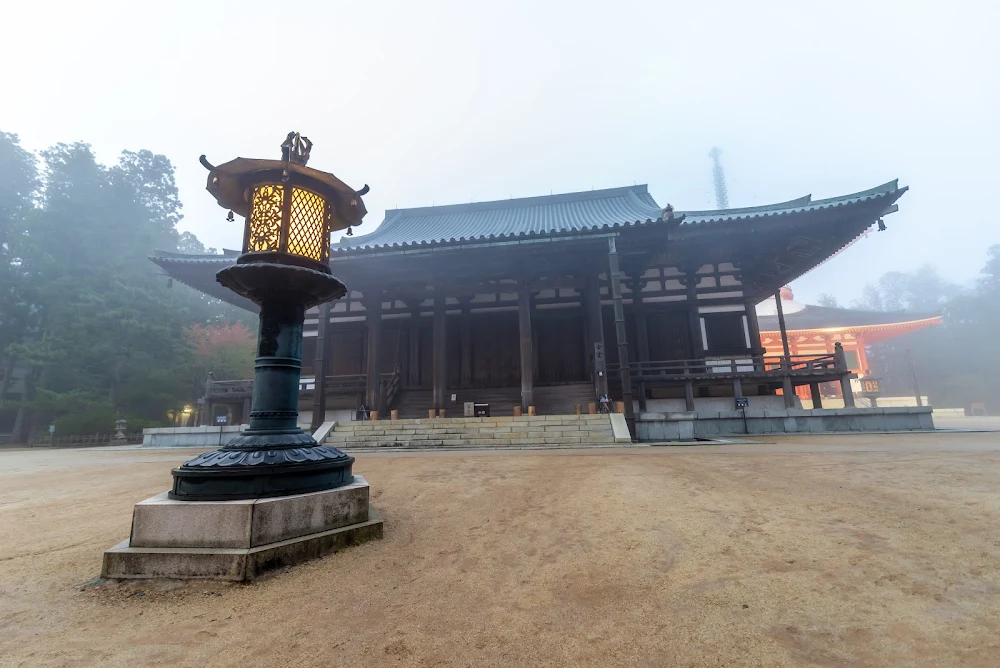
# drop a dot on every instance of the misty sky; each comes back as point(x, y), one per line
point(438, 103)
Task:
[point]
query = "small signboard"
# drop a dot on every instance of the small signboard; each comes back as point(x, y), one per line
point(870, 387)
point(469, 409)
point(482, 410)
point(221, 419)
point(599, 355)
point(742, 402)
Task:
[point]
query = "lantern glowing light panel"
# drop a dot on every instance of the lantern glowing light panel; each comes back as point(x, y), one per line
point(306, 214)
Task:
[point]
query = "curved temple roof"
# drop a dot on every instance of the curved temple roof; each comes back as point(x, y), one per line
point(528, 215)
point(572, 215)
point(553, 214)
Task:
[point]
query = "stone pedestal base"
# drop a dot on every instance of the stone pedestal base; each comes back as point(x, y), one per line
point(239, 540)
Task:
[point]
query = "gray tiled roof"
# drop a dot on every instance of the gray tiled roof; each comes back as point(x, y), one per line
point(568, 212)
point(800, 205)
point(595, 209)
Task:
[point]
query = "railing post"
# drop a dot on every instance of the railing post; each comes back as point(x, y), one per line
point(839, 358)
point(847, 391)
point(787, 390)
point(817, 398)
point(840, 362)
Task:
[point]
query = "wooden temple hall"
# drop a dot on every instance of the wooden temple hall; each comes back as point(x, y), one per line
point(551, 302)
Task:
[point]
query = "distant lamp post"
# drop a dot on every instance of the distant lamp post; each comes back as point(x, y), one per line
point(290, 211)
point(120, 426)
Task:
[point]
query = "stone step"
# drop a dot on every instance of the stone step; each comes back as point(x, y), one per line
point(547, 430)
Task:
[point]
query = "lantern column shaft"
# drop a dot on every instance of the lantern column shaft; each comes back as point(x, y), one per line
point(278, 368)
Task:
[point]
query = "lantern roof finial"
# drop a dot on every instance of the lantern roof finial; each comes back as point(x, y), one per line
point(296, 148)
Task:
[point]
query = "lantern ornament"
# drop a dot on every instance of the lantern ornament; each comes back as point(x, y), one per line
point(289, 210)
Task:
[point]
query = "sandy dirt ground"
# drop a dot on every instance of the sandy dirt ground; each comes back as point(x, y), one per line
point(824, 550)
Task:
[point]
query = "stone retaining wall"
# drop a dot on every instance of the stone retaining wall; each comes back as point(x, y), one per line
point(688, 426)
point(189, 437)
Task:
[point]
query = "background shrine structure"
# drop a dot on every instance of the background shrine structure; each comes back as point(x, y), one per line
point(553, 301)
point(815, 330)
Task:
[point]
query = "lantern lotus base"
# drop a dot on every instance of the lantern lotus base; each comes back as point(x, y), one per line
point(256, 465)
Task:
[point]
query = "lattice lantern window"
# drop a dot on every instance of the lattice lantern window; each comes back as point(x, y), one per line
point(289, 218)
point(290, 208)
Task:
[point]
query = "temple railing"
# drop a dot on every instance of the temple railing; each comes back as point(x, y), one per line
point(222, 390)
point(389, 388)
point(731, 365)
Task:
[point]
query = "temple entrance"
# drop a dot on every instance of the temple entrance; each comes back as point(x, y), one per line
point(348, 351)
point(560, 348)
point(495, 350)
point(669, 336)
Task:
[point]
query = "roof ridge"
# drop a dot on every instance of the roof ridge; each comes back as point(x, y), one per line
point(798, 201)
point(887, 187)
point(516, 202)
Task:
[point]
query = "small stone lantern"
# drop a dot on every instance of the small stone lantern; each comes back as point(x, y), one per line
point(120, 425)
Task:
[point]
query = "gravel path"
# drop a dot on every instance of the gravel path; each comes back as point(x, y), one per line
point(825, 550)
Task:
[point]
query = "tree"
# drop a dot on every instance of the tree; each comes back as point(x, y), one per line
point(101, 331)
point(955, 363)
point(18, 187)
point(828, 300)
point(923, 290)
point(226, 351)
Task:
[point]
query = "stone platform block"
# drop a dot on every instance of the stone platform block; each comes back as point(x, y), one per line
point(162, 522)
point(236, 540)
point(285, 517)
point(125, 562)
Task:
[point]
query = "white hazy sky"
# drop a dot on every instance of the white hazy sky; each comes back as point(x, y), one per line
point(444, 102)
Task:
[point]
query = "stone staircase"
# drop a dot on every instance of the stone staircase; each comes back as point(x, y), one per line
point(549, 400)
point(534, 431)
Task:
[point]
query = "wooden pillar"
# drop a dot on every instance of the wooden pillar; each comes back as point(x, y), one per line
point(737, 387)
point(535, 373)
point(786, 387)
point(787, 390)
point(527, 357)
point(466, 331)
point(689, 395)
point(861, 352)
point(641, 328)
point(753, 331)
point(373, 321)
point(413, 356)
point(595, 325)
point(641, 331)
point(623, 365)
point(321, 366)
point(691, 281)
point(440, 350)
point(781, 324)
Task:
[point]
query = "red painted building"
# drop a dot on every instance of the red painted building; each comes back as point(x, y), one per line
point(814, 330)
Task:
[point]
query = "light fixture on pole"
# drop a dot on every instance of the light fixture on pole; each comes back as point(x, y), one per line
point(290, 210)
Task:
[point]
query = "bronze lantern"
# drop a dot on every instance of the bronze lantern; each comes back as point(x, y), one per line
point(290, 210)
